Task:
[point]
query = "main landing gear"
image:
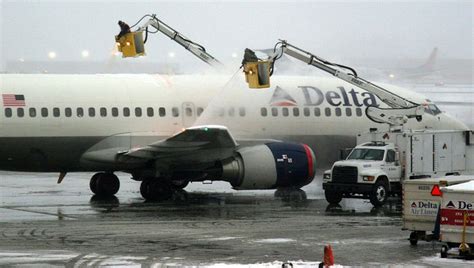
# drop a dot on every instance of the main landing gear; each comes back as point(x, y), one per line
point(159, 189)
point(104, 184)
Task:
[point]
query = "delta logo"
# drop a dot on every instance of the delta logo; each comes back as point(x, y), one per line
point(459, 205)
point(424, 204)
point(424, 207)
point(282, 98)
point(314, 96)
point(450, 205)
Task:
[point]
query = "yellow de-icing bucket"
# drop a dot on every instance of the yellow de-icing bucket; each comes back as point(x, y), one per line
point(257, 74)
point(131, 44)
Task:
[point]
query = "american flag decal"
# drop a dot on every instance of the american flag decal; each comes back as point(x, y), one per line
point(13, 100)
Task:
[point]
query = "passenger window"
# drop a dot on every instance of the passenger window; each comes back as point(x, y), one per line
point(296, 111)
point(306, 111)
point(56, 112)
point(284, 111)
point(317, 111)
point(80, 112)
point(68, 112)
point(338, 111)
point(20, 112)
point(91, 112)
point(242, 111)
point(175, 111)
point(263, 111)
point(8, 112)
point(114, 111)
point(44, 112)
point(274, 111)
point(327, 111)
point(103, 111)
point(199, 111)
point(32, 112)
point(231, 111)
point(150, 112)
point(138, 111)
point(359, 112)
point(162, 111)
point(348, 111)
point(126, 111)
point(390, 156)
point(189, 111)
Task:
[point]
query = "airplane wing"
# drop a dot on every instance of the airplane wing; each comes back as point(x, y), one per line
point(211, 153)
point(194, 147)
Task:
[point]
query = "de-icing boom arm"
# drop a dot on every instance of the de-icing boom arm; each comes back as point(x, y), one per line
point(195, 48)
point(400, 108)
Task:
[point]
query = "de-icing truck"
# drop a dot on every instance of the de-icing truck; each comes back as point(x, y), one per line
point(376, 168)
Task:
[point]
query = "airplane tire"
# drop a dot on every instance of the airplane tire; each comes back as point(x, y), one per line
point(179, 184)
point(333, 197)
point(93, 182)
point(107, 184)
point(155, 190)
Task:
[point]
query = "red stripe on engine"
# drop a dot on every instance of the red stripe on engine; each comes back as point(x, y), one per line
point(309, 156)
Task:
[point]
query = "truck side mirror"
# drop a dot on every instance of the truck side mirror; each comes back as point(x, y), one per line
point(397, 158)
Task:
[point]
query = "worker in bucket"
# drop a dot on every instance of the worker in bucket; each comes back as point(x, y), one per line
point(124, 29)
point(249, 56)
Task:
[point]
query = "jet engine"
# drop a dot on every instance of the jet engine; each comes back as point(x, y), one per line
point(270, 166)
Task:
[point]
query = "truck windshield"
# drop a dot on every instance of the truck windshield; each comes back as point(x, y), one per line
point(367, 154)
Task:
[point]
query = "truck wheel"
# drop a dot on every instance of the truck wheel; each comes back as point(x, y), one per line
point(333, 197)
point(379, 194)
point(413, 238)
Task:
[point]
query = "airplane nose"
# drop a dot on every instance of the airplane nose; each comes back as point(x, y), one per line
point(454, 123)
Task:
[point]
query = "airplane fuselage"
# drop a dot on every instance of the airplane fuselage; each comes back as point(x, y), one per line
point(63, 116)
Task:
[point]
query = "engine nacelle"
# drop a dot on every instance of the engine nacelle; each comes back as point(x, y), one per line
point(270, 166)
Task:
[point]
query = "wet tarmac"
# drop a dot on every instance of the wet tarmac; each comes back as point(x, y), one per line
point(206, 225)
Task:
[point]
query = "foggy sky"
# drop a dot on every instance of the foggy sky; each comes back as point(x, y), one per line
point(337, 30)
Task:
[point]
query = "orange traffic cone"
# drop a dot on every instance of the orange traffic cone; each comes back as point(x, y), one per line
point(328, 256)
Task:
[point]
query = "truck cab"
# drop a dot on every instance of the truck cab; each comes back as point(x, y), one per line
point(372, 170)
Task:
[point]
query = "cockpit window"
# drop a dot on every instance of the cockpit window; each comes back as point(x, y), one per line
point(432, 109)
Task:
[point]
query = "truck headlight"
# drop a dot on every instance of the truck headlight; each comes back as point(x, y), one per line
point(368, 178)
point(326, 176)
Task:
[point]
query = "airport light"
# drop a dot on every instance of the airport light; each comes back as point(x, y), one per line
point(392, 76)
point(234, 55)
point(85, 53)
point(171, 55)
point(21, 60)
point(52, 55)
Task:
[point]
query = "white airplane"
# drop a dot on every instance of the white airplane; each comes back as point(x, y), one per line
point(108, 123)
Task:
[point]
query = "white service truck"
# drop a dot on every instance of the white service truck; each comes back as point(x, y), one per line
point(377, 166)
